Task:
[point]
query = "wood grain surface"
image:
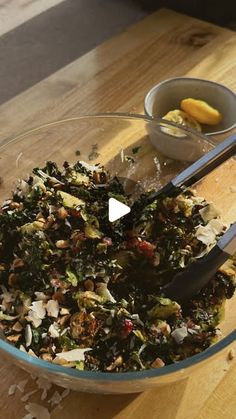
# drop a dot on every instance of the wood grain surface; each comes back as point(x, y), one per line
point(115, 77)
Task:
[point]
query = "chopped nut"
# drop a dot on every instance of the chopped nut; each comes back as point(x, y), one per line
point(39, 216)
point(17, 263)
point(158, 363)
point(231, 354)
point(227, 270)
point(14, 205)
point(46, 357)
point(17, 327)
point(89, 285)
point(12, 279)
point(62, 244)
point(41, 220)
point(118, 362)
point(64, 311)
point(62, 213)
point(14, 338)
point(63, 320)
point(164, 328)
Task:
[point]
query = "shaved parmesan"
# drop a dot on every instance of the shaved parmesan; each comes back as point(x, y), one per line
point(209, 212)
point(73, 355)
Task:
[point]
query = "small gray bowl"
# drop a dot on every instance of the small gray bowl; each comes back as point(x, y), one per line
point(167, 95)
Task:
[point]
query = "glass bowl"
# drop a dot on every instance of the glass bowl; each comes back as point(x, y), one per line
point(108, 139)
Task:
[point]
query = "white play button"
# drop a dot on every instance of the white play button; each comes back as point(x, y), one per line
point(117, 209)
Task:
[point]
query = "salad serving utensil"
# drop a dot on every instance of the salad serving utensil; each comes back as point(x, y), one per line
point(194, 277)
point(197, 170)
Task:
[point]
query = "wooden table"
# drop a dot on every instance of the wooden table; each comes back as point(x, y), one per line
point(115, 77)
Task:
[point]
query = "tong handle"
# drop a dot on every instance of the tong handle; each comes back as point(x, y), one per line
point(206, 164)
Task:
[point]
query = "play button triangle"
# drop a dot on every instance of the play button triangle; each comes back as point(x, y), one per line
point(116, 209)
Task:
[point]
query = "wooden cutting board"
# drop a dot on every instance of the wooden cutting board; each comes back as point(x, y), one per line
point(115, 76)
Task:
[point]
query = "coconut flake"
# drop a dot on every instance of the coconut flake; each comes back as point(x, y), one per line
point(90, 167)
point(43, 383)
point(37, 411)
point(103, 291)
point(37, 313)
point(28, 416)
point(40, 296)
point(28, 335)
point(65, 393)
point(7, 297)
point(207, 234)
point(54, 330)
point(209, 212)
point(73, 355)
point(23, 186)
point(12, 390)
point(21, 385)
point(179, 334)
point(18, 159)
point(52, 308)
point(55, 399)
point(26, 396)
point(38, 307)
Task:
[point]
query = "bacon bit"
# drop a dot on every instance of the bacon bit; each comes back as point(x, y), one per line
point(146, 248)
point(158, 363)
point(75, 213)
point(127, 328)
point(58, 296)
